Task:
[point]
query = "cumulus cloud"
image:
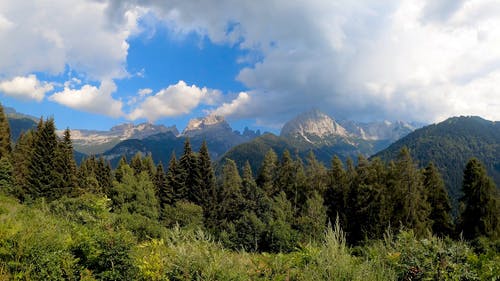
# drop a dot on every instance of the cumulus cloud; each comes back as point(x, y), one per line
point(145, 92)
point(91, 99)
point(174, 100)
point(50, 35)
point(369, 59)
point(230, 108)
point(28, 87)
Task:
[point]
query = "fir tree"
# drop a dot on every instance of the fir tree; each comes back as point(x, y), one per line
point(5, 146)
point(267, 173)
point(337, 192)
point(136, 163)
point(437, 196)
point(174, 180)
point(164, 193)
point(230, 198)
point(6, 176)
point(409, 198)
point(118, 172)
point(43, 178)
point(189, 172)
point(21, 159)
point(316, 173)
point(148, 165)
point(481, 206)
point(312, 221)
point(104, 175)
point(285, 180)
point(65, 164)
point(205, 195)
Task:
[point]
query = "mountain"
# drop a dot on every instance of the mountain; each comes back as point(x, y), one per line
point(317, 132)
point(386, 130)
point(450, 144)
point(19, 122)
point(95, 142)
point(218, 134)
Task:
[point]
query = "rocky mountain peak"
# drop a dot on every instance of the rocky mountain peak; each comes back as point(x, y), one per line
point(210, 122)
point(313, 123)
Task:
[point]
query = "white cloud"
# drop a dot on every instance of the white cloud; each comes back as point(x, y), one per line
point(49, 35)
point(369, 59)
point(145, 92)
point(28, 87)
point(174, 100)
point(231, 108)
point(91, 99)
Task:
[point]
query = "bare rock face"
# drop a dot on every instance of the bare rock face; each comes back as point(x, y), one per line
point(313, 124)
point(212, 124)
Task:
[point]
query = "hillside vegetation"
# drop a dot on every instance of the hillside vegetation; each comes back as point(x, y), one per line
point(294, 220)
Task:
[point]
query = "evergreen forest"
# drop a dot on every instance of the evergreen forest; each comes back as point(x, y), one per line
point(290, 219)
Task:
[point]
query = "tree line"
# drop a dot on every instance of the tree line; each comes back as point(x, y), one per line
point(288, 201)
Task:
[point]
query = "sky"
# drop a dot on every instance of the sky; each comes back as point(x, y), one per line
point(92, 64)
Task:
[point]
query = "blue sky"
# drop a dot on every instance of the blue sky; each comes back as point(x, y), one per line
point(97, 63)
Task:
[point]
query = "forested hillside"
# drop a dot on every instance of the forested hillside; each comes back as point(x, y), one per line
point(449, 145)
point(290, 219)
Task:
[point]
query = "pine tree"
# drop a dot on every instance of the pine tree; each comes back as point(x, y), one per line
point(230, 198)
point(481, 207)
point(337, 192)
point(148, 165)
point(285, 180)
point(316, 175)
point(189, 172)
point(21, 159)
point(43, 178)
point(66, 165)
point(104, 175)
point(409, 198)
point(164, 193)
point(136, 163)
point(87, 176)
point(312, 221)
point(6, 176)
point(267, 173)
point(5, 145)
point(205, 195)
point(437, 196)
point(175, 180)
point(118, 172)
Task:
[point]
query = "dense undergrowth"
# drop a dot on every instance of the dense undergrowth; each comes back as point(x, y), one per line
point(80, 239)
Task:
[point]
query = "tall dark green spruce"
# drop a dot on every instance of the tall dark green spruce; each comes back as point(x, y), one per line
point(267, 173)
point(337, 192)
point(230, 198)
point(175, 181)
point(409, 198)
point(189, 172)
point(205, 194)
point(5, 146)
point(437, 196)
point(480, 214)
point(43, 177)
point(163, 190)
point(21, 159)
point(65, 164)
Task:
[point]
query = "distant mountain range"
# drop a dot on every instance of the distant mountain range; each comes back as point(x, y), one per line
point(19, 122)
point(218, 134)
point(317, 132)
point(450, 144)
point(96, 142)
